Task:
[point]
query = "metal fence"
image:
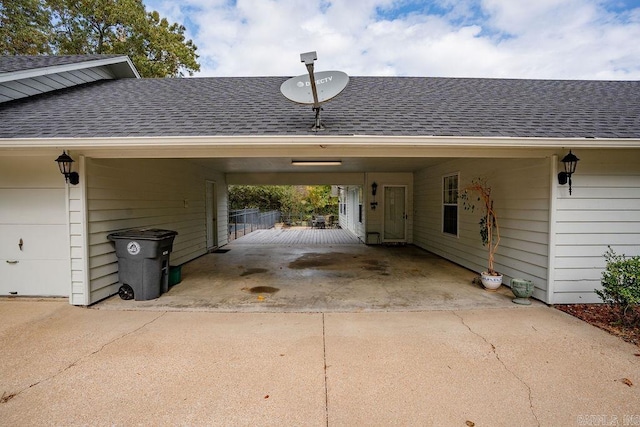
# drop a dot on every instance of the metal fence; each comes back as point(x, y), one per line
point(296, 218)
point(306, 219)
point(244, 221)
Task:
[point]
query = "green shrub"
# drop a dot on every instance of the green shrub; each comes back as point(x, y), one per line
point(621, 283)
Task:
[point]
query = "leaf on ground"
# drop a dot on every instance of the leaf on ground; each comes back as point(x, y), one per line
point(7, 397)
point(626, 381)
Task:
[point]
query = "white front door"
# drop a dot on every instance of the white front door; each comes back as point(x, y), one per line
point(395, 214)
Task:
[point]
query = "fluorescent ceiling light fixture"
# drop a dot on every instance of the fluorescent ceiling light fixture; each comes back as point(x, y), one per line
point(316, 162)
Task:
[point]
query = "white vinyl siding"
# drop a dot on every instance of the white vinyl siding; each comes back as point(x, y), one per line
point(521, 192)
point(353, 209)
point(342, 206)
point(160, 193)
point(603, 210)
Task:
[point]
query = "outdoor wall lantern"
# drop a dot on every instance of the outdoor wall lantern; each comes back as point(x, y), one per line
point(374, 190)
point(570, 162)
point(64, 163)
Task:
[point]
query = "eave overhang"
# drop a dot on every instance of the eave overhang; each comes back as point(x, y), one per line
point(278, 142)
point(120, 66)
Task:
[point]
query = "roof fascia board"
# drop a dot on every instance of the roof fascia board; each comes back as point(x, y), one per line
point(43, 71)
point(324, 141)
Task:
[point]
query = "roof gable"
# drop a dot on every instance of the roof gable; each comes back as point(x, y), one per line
point(23, 76)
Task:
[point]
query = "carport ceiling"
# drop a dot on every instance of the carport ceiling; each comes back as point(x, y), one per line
point(283, 164)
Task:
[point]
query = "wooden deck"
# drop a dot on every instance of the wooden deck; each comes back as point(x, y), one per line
point(299, 236)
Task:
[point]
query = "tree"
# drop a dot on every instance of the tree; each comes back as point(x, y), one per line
point(123, 27)
point(25, 27)
point(292, 199)
point(95, 26)
point(163, 50)
point(265, 197)
point(287, 199)
point(157, 48)
point(320, 200)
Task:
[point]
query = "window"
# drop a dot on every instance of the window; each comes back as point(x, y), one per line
point(450, 204)
point(360, 205)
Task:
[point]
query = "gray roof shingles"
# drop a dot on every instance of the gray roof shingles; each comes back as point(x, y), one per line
point(9, 64)
point(403, 106)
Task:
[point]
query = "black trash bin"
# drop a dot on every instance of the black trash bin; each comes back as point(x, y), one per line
point(143, 261)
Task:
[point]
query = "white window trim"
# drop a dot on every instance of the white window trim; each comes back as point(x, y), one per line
point(443, 204)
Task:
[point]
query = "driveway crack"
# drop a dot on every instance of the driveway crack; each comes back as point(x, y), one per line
point(504, 365)
point(324, 355)
point(6, 397)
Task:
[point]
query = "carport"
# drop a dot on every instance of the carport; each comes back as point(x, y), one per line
point(260, 273)
point(163, 152)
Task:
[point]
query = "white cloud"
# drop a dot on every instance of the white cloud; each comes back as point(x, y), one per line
point(462, 38)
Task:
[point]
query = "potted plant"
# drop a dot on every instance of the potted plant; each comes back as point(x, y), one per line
point(522, 289)
point(478, 192)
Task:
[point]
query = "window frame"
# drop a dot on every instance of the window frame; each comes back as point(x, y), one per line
point(450, 198)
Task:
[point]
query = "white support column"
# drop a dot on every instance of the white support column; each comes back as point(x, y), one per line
point(553, 197)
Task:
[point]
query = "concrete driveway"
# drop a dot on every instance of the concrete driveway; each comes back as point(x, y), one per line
point(524, 366)
point(259, 274)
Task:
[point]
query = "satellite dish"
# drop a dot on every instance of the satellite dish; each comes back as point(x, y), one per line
point(314, 88)
point(328, 85)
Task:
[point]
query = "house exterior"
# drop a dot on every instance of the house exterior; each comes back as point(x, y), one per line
point(161, 152)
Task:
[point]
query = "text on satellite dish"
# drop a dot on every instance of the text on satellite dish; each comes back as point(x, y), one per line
point(328, 83)
point(318, 82)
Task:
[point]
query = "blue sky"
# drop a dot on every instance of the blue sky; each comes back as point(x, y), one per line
point(547, 39)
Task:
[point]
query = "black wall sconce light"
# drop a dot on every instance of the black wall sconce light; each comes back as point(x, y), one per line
point(374, 190)
point(64, 163)
point(570, 162)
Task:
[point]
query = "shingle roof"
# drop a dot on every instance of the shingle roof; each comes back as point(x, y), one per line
point(412, 106)
point(9, 64)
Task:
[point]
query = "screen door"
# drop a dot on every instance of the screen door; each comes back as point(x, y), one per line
point(395, 214)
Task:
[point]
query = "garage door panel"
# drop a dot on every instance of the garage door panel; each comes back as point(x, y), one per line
point(35, 278)
point(38, 218)
point(34, 206)
point(38, 242)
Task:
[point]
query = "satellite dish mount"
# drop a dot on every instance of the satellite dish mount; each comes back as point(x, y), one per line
point(308, 59)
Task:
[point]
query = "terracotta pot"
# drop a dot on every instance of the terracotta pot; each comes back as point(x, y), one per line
point(522, 289)
point(491, 282)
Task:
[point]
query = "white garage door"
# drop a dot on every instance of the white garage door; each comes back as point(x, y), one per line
point(34, 247)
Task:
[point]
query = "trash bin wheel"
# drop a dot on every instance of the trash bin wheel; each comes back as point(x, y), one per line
point(125, 292)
